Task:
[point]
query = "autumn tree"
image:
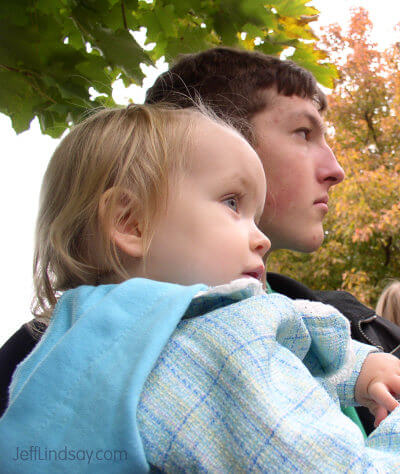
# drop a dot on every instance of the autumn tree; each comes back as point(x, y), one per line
point(362, 245)
point(59, 58)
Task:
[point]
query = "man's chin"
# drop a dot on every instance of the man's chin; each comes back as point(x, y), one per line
point(303, 244)
point(311, 244)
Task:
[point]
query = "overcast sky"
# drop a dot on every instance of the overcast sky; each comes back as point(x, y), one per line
point(25, 157)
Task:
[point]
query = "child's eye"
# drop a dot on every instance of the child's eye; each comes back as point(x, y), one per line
point(231, 202)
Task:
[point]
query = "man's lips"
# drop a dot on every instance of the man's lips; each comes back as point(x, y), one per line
point(323, 199)
point(322, 203)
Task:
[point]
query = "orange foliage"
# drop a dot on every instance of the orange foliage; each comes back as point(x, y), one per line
point(362, 246)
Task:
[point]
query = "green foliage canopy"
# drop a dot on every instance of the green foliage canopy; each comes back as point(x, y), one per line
point(52, 52)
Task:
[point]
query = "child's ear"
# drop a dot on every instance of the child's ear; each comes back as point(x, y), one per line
point(123, 224)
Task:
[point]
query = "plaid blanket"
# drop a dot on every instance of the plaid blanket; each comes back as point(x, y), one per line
point(255, 387)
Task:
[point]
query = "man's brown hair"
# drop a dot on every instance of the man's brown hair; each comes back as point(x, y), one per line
point(231, 82)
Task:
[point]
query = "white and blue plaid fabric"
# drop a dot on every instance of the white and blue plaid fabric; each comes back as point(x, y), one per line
point(255, 387)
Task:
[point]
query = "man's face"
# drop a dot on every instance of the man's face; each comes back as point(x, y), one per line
point(300, 169)
point(209, 232)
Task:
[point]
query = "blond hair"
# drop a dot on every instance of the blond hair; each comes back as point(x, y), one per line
point(388, 305)
point(137, 148)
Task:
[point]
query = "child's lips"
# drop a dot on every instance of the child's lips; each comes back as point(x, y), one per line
point(257, 273)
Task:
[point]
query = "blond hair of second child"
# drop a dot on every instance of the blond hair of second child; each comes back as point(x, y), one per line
point(162, 346)
point(388, 305)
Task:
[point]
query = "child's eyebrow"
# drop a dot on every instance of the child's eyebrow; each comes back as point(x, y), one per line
point(238, 180)
point(247, 186)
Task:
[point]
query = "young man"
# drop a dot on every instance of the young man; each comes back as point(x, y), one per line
point(277, 105)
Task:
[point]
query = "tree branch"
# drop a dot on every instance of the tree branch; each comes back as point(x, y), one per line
point(124, 15)
point(32, 76)
point(372, 130)
point(387, 249)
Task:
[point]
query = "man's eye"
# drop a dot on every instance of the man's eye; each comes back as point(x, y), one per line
point(231, 202)
point(303, 132)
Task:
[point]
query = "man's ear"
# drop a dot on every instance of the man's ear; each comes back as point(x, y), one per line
point(118, 212)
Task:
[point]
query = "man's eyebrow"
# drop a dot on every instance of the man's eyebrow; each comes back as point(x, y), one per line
point(315, 121)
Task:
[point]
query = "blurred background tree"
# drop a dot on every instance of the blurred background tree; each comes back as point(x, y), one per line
point(362, 245)
point(59, 58)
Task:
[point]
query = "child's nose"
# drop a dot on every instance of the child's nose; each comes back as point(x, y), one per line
point(260, 243)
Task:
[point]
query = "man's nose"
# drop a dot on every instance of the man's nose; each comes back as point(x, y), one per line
point(259, 242)
point(329, 169)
